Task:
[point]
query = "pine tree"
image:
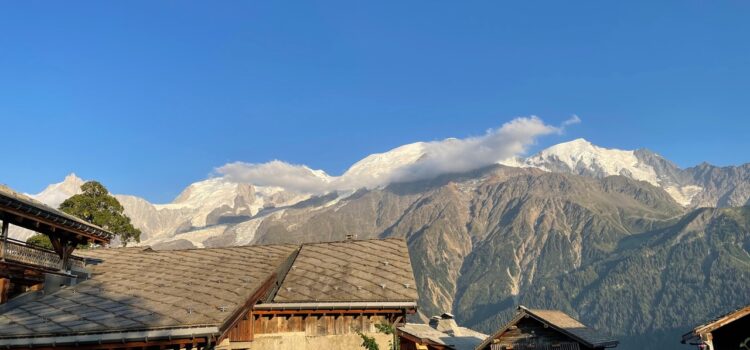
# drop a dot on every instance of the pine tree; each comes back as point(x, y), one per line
point(97, 206)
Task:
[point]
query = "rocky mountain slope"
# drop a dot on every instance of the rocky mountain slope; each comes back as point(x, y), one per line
point(615, 237)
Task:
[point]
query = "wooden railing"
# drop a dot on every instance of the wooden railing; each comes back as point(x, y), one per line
point(24, 253)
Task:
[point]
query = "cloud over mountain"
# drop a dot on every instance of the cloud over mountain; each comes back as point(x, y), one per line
point(421, 160)
point(277, 173)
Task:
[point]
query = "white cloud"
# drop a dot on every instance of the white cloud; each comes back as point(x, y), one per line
point(574, 119)
point(277, 173)
point(407, 163)
point(461, 155)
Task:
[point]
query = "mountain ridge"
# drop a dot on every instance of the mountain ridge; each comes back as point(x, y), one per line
point(575, 232)
point(209, 202)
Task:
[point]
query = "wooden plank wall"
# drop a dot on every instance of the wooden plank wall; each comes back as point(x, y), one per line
point(242, 330)
point(317, 325)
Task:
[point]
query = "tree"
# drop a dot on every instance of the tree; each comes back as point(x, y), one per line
point(97, 206)
point(389, 329)
point(368, 343)
point(40, 240)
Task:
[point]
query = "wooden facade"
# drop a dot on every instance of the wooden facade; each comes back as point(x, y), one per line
point(311, 322)
point(317, 324)
point(546, 330)
point(727, 332)
point(529, 333)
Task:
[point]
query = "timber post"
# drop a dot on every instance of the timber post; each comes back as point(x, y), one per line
point(5, 239)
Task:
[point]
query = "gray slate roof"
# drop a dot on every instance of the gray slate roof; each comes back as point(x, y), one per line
point(468, 339)
point(350, 271)
point(137, 289)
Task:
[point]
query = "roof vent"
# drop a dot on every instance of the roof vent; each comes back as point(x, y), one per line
point(190, 310)
point(406, 285)
point(359, 287)
point(223, 308)
point(386, 263)
point(336, 288)
point(382, 285)
point(288, 289)
point(350, 237)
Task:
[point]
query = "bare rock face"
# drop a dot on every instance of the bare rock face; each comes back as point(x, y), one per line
point(722, 186)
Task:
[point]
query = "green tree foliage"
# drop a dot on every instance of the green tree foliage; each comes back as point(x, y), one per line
point(368, 343)
point(98, 207)
point(40, 240)
point(390, 329)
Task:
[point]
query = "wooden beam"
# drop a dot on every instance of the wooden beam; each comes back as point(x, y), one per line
point(329, 312)
point(5, 229)
point(247, 308)
point(4, 290)
point(29, 221)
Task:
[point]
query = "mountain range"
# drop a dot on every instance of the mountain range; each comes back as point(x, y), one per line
point(625, 240)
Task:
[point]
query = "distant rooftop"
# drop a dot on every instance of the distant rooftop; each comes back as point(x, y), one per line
point(444, 331)
point(561, 322)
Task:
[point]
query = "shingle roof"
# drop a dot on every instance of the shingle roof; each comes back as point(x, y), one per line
point(136, 288)
point(366, 270)
point(142, 292)
point(563, 323)
point(571, 326)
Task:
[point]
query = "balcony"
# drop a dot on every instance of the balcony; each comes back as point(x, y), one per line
point(18, 252)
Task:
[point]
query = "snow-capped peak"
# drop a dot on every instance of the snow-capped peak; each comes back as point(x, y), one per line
point(56, 193)
point(582, 157)
point(379, 164)
point(378, 169)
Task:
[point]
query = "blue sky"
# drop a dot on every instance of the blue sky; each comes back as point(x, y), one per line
point(150, 96)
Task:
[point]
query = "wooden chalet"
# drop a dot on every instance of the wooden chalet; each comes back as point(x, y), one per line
point(729, 331)
point(337, 289)
point(250, 297)
point(24, 266)
point(442, 333)
point(545, 330)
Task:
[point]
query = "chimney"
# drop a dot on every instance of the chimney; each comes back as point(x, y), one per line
point(445, 323)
